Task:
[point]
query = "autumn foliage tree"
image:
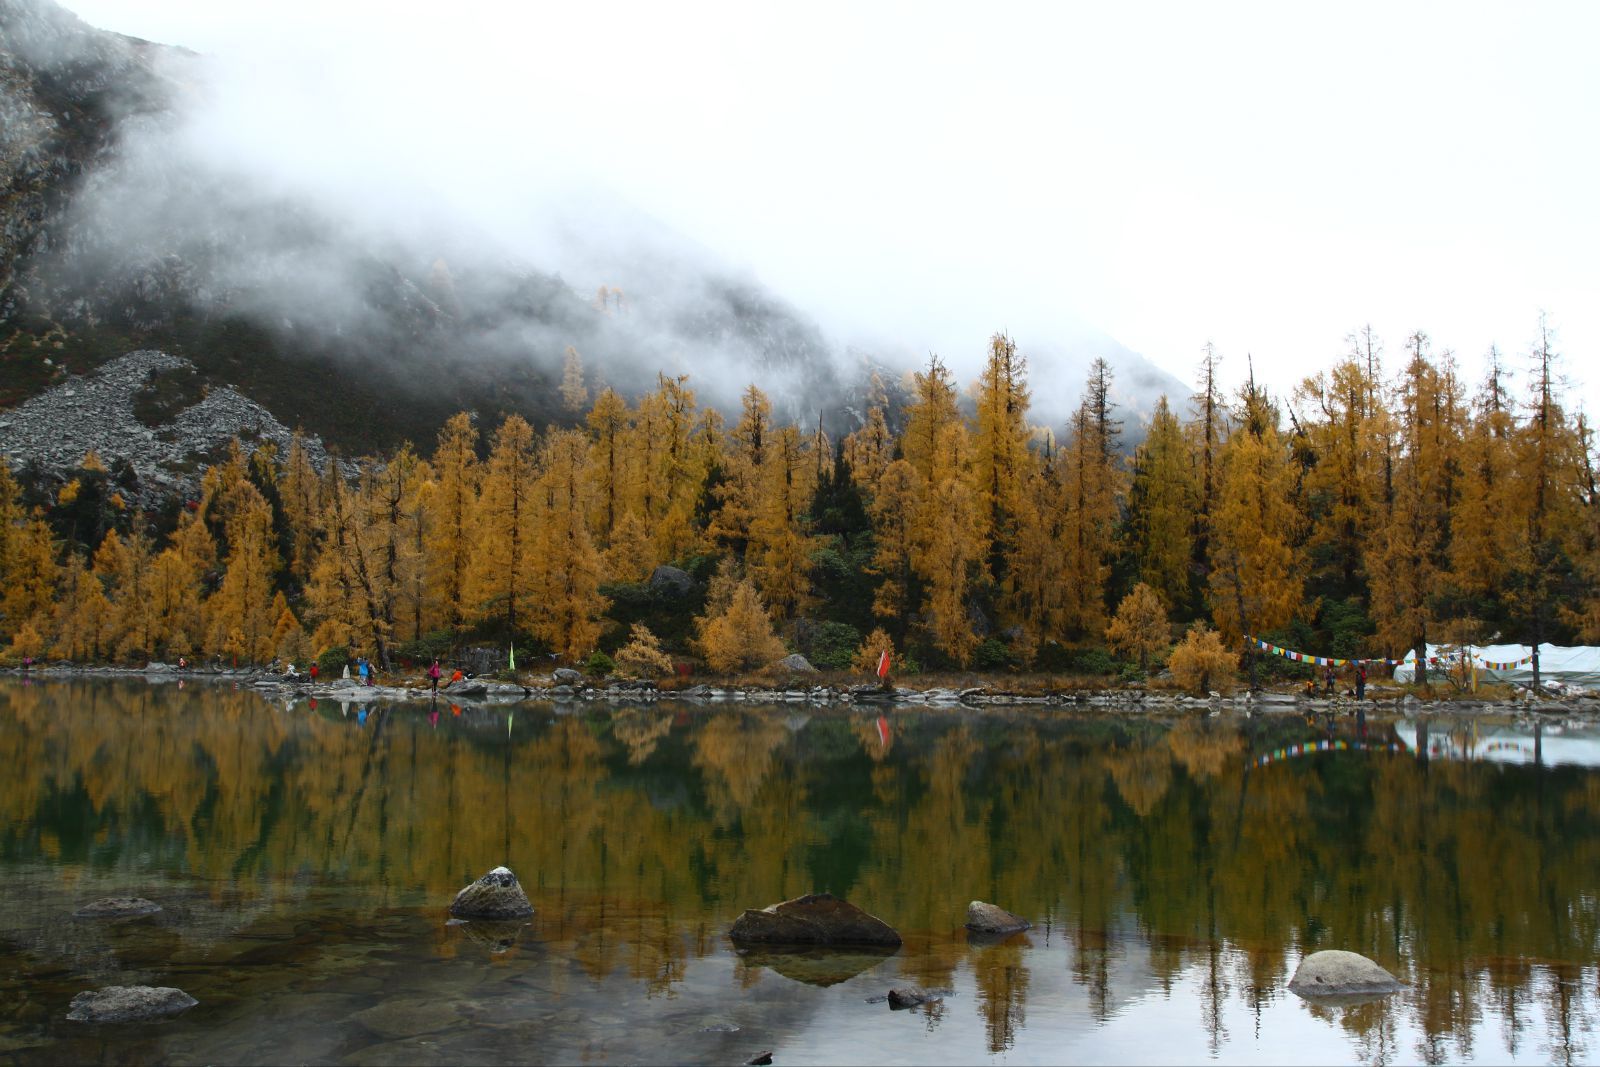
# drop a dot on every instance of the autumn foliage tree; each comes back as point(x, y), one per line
point(1200, 663)
point(1140, 627)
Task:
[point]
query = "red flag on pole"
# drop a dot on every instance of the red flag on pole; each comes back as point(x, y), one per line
point(883, 664)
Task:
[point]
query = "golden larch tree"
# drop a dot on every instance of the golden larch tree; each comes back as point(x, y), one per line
point(1163, 503)
point(566, 562)
point(1140, 627)
point(504, 574)
point(448, 544)
point(1256, 571)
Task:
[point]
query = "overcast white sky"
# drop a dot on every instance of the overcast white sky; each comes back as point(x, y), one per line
point(1267, 177)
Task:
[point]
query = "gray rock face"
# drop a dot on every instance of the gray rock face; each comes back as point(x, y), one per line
point(910, 997)
point(567, 676)
point(56, 428)
point(117, 908)
point(814, 919)
point(129, 1003)
point(988, 919)
point(497, 895)
point(797, 663)
point(671, 582)
point(1336, 973)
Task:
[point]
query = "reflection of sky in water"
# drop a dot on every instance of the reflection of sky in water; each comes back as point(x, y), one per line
point(305, 856)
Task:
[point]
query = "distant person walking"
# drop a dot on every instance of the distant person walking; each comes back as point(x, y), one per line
point(1328, 680)
point(313, 672)
point(433, 676)
point(1361, 681)
point(365, 669)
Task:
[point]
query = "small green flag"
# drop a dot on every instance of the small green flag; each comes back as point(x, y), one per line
point(513, 657)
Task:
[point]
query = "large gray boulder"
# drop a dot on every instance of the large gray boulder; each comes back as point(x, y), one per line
point(671, 582)
point(988, 919)
point(814, 919)
point(1334, 973)
point(797, 664)
point(497, 895)
point(567, 676)
point(117, 908)
point(129, 1003)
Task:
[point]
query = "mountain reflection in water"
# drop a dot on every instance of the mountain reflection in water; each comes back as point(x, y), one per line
point(1175, 877)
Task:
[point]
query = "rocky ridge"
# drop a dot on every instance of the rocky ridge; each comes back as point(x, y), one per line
point(96, 413)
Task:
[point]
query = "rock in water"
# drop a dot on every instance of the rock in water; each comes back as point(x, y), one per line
point(497, 895)
point(117, 908)
point(1335, 973)
point(910, 997)
point(129, 1003)
point(760, 1059)
point(815, 919)
point(988, 919)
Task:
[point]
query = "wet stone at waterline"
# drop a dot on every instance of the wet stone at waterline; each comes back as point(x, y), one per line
point(815, 919)
point(992, 920)
point(497, 895)
point(122, 1004)
point(117, 908)
point(1341, 974)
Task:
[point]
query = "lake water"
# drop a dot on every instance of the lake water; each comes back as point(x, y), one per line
point(1176, 870)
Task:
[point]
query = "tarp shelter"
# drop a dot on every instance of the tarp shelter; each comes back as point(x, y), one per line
point(1578, 665)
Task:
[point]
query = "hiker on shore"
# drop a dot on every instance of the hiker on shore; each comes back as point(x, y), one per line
point(1361, 681)
point(433, 676)
point(1328, 680)
point(366, 670)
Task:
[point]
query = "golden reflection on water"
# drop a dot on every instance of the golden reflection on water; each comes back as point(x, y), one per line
point(1152, 855)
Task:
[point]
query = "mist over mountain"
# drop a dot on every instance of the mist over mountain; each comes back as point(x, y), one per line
point(142, 210)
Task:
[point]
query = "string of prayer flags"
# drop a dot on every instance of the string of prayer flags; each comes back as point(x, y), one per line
point(1320, 661)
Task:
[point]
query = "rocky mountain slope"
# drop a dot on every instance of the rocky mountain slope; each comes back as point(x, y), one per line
point(113, 239)
point(143, 411)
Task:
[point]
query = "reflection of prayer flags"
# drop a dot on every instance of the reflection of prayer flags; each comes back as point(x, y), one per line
point(883, 731)
point(883, 664)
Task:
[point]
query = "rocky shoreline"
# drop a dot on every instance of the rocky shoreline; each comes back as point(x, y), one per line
point(562, 687)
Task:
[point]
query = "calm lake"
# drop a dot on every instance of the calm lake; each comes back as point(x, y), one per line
point(1176, 870)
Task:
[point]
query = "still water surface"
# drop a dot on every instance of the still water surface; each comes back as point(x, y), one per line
point(1176, 870)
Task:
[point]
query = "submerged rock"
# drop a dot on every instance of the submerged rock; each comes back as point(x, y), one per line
point(497, 895)
point(989, 919)
point(117, 908)
point(129, 1003)
point(760, 1059)
point(814, 919)
point(1336, 973)
point(910, 997)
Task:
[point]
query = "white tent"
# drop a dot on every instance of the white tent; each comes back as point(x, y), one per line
point(1578, 665)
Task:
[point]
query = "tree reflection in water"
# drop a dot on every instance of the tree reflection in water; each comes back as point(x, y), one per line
point(641, 833)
